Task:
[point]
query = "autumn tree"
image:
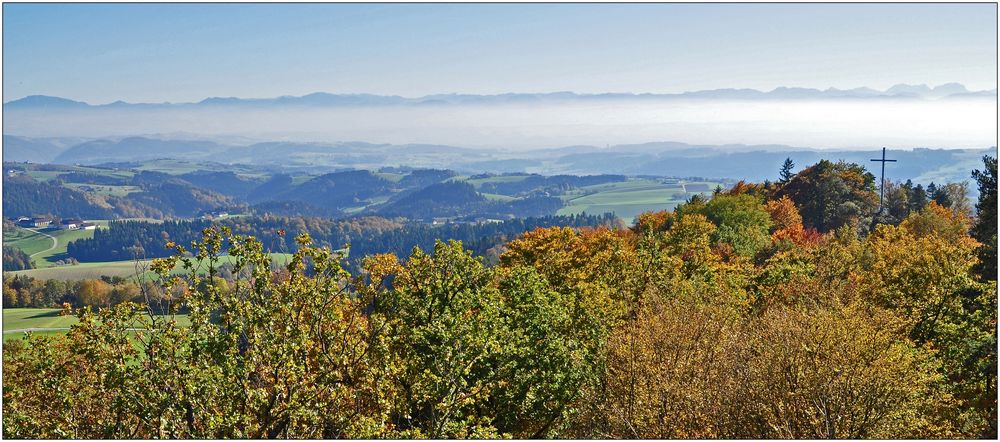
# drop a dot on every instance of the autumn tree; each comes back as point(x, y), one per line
point(830, 195)
point(922, 270)
point(94, 292)
point(273, 357)
point(741, 222)
point(842, 373)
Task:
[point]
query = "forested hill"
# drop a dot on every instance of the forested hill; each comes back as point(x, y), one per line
point(142, 196)
point(166, 189)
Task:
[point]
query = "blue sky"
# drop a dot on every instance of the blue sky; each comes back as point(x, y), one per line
point(186, 52)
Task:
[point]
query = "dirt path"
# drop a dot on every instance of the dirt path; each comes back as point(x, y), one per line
point(55, 242)
point(35, 329)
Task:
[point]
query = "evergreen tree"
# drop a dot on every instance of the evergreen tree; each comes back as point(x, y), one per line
point(786, 170)
point(918, 198)
point(985, 229)
point(939, 195)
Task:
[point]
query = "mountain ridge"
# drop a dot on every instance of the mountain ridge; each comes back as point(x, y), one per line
point(920, 91)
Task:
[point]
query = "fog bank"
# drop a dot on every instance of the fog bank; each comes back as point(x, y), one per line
point(843, 124)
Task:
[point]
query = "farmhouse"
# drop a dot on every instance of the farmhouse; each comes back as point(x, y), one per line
point(215, 214)
point(70, 224)
point(34, 222)
point(88, 226)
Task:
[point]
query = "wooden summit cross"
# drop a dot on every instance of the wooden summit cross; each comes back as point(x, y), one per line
point(881, 186)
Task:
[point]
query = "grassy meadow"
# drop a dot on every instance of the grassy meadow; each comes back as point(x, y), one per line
point(630, 198)
point(15, 319)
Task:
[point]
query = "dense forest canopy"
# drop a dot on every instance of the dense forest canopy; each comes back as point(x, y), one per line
point(769, 310)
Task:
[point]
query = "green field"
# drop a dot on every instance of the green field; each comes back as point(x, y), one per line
point(44, 175)
point(171, 166)
point(493, 179)
point(84, 270)
point(124, 269)
point(33, 171)
point(36, 244)
point(28, 318)
point(497, 197)
point(21, 318)
point(394, 177)
point(630, 198)
point(28, 241)
point(40, 248)
point(102, 189)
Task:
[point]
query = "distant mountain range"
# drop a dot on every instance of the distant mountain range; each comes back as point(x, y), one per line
point(899, 91)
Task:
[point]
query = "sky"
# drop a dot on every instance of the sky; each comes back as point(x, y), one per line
point(101, 53)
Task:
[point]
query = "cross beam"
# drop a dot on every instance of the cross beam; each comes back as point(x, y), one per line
point(881, 187)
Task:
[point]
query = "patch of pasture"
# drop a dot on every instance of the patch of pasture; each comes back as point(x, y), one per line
point(629, 198)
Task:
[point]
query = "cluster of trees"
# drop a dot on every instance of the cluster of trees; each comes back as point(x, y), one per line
point(901, 199)
point(126, 240)
point(15, 259)
point(26, 291)
point(763, 312)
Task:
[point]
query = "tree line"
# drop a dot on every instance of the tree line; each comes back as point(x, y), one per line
point(126, 240)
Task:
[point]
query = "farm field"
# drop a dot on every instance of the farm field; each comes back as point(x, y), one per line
point(27, 318)
point(49, 171)
point(630, 198)
point(124, 269)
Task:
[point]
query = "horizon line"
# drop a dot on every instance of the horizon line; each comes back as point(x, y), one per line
point(582, 94)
